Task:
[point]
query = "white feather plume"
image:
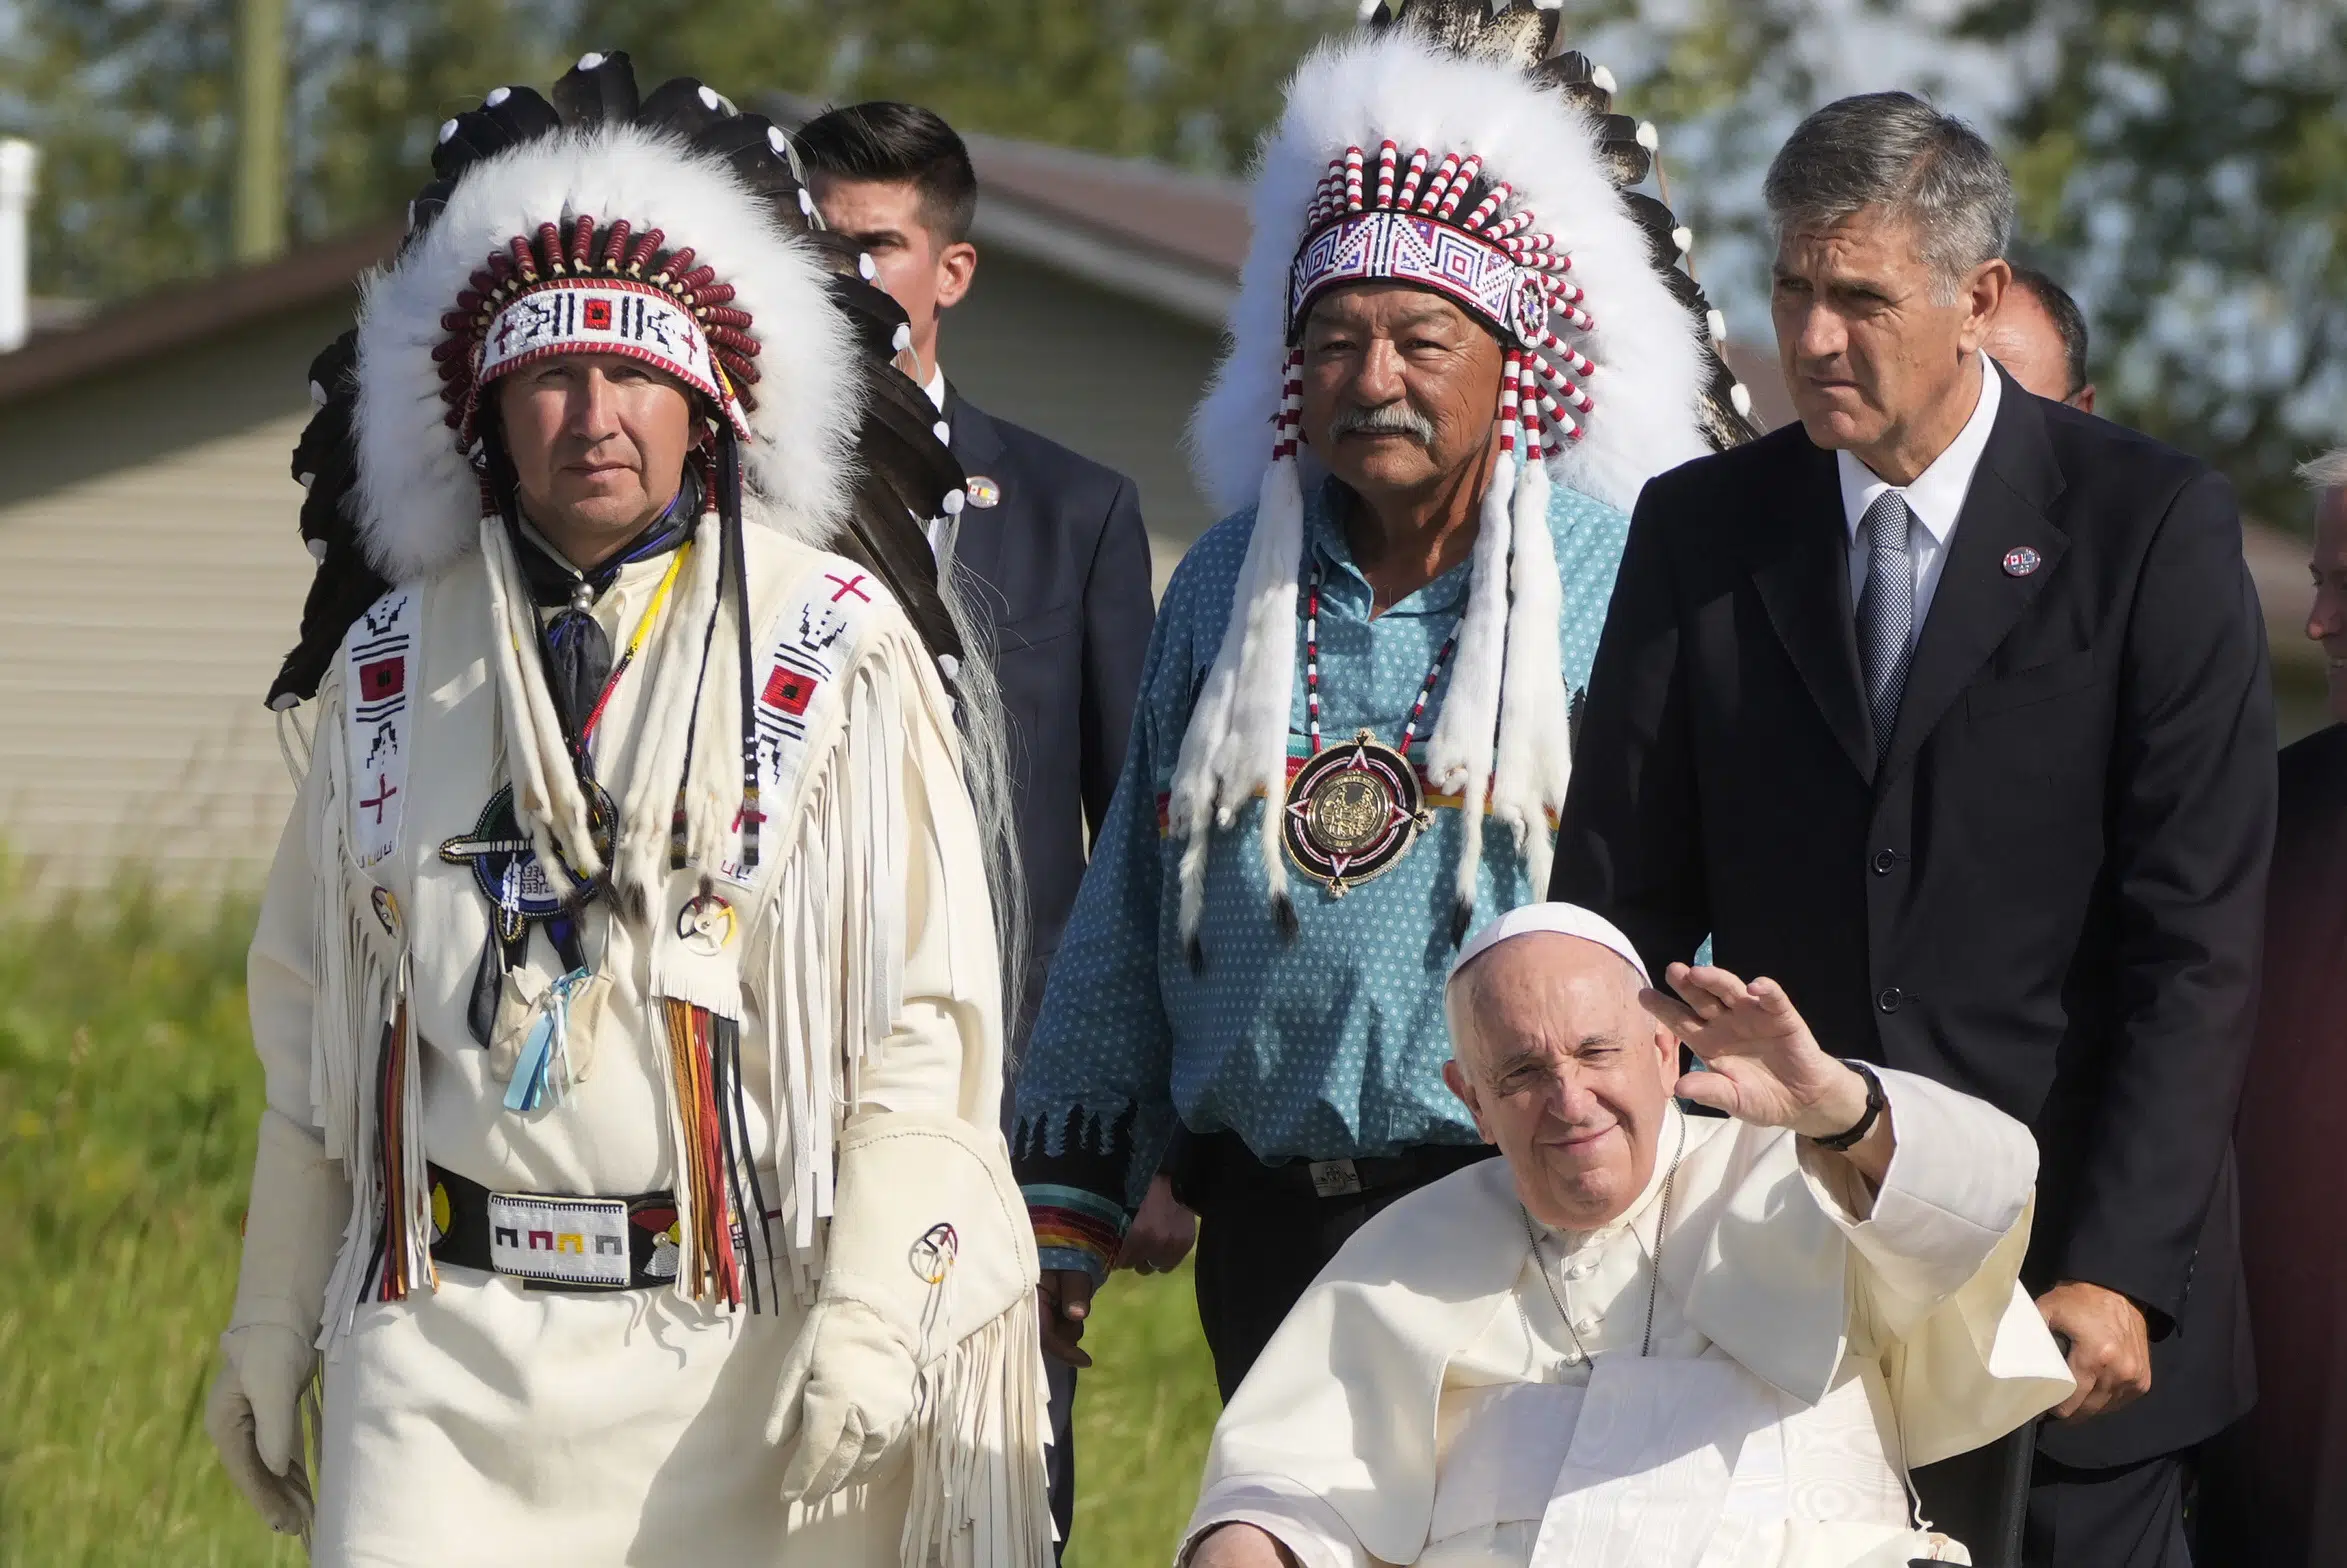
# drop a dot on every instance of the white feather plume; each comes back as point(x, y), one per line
point(419, 500)
point(1353, 92)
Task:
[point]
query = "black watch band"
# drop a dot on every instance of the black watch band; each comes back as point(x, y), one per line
point(1874, 1107)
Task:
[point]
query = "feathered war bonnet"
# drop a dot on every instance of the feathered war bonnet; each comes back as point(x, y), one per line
point(1454, 149)
point(668, 228)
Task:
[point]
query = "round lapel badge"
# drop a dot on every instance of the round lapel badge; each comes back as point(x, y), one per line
point(982, 491)
point(2021, 560)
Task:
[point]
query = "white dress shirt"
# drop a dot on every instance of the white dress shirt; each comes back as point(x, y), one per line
point(1936, 498)
point(936, 386)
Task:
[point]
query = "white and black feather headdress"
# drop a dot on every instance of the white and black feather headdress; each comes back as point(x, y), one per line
point(1455, 148)
point(678, 197)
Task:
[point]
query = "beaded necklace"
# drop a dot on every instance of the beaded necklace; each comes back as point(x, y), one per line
point(1351, 813)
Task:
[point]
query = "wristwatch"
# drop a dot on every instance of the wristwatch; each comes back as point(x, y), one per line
point(1874, 1107)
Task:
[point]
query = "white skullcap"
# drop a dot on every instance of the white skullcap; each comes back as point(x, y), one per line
point(1565, 920)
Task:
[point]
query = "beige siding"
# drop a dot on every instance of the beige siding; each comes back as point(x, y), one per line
point(142, 616)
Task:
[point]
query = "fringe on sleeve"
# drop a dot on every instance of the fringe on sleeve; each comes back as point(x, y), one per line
point(829, 969)
point(366, 1080)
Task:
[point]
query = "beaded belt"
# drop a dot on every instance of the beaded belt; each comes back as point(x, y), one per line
point(554, 1242)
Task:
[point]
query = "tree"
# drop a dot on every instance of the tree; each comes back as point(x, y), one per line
point(132, 100)
point(2187, 166)
point(130, 103)
point(1187, 81)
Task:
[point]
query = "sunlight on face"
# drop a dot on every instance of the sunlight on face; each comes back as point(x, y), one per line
point(1868, 348)
point(1392, 349)
point(1561, 1068)
point(919, 268)
point(598, 443)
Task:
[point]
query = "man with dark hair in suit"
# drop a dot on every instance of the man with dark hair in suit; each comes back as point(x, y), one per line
point(1059, 550)
point(2038, 337)
point(1947, 710)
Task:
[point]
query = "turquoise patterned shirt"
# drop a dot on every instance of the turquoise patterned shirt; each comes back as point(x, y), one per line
point(1325, 1047)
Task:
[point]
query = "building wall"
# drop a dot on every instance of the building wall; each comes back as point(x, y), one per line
point(1102, 375)
point(154, 576)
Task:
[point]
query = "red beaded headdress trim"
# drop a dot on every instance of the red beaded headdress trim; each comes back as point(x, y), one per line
point(1407, 228)
point(591, 290)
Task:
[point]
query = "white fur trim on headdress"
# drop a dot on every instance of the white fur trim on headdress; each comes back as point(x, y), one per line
point(419, 500)
point(1649, 374)
point(1503, 730)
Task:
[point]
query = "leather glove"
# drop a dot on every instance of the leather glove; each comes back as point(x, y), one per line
point(293, 1229)
point(929, 1242)
point(254, 1419)
point(846, 1393)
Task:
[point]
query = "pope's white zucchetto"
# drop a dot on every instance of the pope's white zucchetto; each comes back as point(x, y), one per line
point(1564, 920)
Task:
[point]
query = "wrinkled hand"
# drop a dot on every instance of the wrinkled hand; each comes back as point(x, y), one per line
point(253, 1416)
point(1063, 1300)
point(1766, 1067)
point(1238, 1545)
point(846, 1395)
point(2109, 1351)
point(1161, 1234)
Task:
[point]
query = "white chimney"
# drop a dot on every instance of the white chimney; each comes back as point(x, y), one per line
point(18, 160)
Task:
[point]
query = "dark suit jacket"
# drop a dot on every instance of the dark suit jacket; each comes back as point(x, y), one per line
point(2293, 1235)
point(2045, 887)
point(1063, 562)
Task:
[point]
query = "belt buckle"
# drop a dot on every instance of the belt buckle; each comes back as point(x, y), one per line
point(559, 1241)
point(1335, 1178)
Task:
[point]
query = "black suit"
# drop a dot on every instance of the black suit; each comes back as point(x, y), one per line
point(2278, 1503)
point(2045, 887)
point(1062, 560)
point(1062, 563)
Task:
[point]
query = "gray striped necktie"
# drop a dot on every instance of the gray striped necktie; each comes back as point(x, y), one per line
point(1886, 610)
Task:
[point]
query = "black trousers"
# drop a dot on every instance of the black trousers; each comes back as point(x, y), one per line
point(2128, 1516)
point(1060, 1464)
point(1263, 1234)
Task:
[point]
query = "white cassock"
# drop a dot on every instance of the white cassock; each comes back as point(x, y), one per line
point(483, 1421)
point(1426, 1403)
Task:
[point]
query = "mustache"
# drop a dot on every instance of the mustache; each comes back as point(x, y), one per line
point(1387, 419)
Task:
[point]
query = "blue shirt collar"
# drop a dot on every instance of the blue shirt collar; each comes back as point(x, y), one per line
point(1345, 587)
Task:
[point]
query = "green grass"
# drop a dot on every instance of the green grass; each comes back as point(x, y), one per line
point(1143, 1415)
point(128, 1099)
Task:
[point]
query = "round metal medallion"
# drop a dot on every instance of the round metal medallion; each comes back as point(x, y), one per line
point(1352, 812)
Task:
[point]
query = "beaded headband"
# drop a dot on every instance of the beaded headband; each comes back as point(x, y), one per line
point(588, 292)
point(1408, 228)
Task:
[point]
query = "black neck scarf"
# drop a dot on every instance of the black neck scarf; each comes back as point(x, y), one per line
point(578, 653)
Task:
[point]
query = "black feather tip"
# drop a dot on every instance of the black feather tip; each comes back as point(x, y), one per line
point(1194, 953)
point(1283, 915)
point(1462, 916)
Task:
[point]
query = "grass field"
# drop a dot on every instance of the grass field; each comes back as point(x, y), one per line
point(128, 1098)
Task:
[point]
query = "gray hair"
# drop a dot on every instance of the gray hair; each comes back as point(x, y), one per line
point(2327, 472)
point(1894, 151)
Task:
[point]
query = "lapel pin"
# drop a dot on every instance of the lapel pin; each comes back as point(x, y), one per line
point(2021, 561)
point(983, 491)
